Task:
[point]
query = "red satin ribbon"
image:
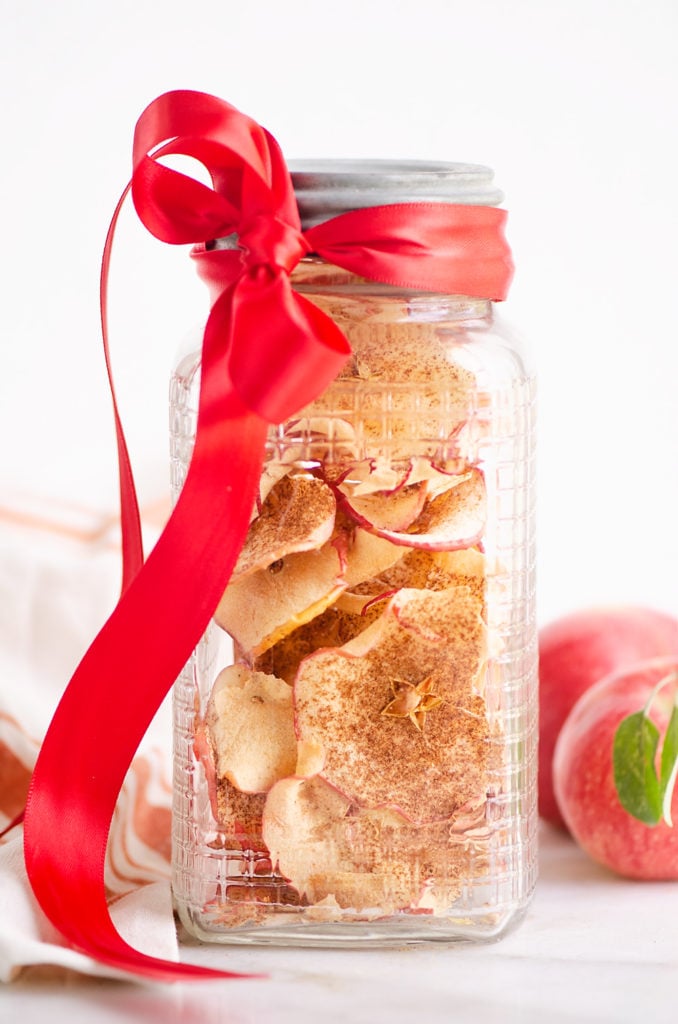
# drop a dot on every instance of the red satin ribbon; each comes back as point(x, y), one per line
point(267, 352)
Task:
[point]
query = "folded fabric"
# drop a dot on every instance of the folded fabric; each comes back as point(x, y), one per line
point(27, 940)
point(59, 576)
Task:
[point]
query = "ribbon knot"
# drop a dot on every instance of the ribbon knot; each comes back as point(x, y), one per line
point(267, 240)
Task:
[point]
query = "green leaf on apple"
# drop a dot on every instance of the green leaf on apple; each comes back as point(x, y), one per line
point(635, 775)
point(642, 792)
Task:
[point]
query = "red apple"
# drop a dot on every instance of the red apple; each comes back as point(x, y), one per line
point(577, 651)
point(584, 780)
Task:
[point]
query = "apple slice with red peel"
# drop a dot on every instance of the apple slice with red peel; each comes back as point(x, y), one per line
point(364, 556)
point(301, 824)
point(298, 515)
point(261, 608)
point(323, 851)
point(425, 652)
point(347, 858)
point(454, 519)
point(249, 722)
point(386, 512)
point(433, 620)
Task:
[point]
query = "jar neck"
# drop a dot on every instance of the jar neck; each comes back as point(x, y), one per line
point(314, 276)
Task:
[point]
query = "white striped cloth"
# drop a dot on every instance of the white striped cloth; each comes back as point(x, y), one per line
point(59, 575)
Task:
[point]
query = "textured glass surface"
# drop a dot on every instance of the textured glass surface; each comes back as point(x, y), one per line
point(452, 393)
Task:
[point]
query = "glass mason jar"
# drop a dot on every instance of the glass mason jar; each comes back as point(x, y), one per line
point(355, 735)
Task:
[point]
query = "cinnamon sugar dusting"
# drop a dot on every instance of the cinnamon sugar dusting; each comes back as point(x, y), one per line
point(383, 360)
point(357, 607)
point(340, 696)
point(297, 515)
point(331, 628)
point(337, 855)
point(239, 813)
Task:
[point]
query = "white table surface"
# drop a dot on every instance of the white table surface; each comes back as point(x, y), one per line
point(593, 947)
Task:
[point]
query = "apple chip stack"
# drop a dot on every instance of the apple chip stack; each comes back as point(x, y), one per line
point(350, 740)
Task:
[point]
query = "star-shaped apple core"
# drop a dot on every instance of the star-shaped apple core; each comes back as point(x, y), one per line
point(412, 701)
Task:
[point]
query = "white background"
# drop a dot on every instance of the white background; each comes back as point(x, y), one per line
point(573, 103)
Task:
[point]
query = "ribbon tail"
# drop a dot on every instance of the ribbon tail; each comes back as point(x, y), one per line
point(130, 521)
point(122, 681)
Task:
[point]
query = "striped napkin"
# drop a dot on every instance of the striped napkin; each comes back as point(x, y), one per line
point(59, 578)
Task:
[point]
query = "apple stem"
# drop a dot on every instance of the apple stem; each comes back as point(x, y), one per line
point(668, 795)
point(671, 677)
point(669, 764)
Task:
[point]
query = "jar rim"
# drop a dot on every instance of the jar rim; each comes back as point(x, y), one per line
point(325, 188)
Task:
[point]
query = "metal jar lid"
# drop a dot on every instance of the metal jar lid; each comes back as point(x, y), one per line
point(326, 188)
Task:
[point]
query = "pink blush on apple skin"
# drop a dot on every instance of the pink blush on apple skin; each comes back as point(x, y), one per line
point(584, 781)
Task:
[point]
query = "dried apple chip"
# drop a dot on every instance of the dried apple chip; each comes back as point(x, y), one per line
point(250, 727)
point(387, 512)
point(297, 515)
point(261, 608)
point(346, 858)
point(392, 412)
point(452, 520)
point(316, 846)
point(366, 556)
point(433, 758)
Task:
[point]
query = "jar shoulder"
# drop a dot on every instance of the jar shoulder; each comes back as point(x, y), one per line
point(405, 340)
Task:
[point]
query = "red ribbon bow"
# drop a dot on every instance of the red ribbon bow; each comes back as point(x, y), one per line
point(267, 352)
